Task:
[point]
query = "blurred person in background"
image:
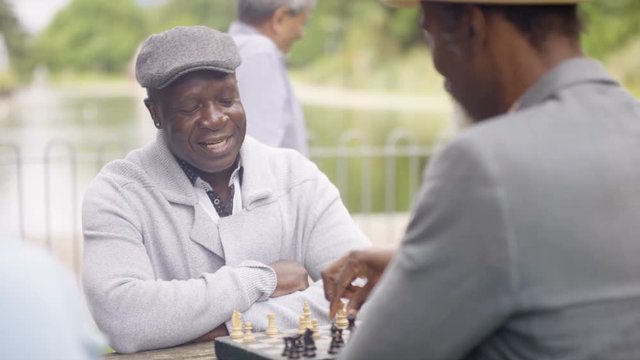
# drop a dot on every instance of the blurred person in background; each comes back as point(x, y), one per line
point(264, 32)
point(42, 313)
point(524, 242)
point(205, 220)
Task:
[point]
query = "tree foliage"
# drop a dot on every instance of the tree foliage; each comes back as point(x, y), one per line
point(14, 35)
point(610, 25)
point(215, 14)
point(92, 36)
point(350, 38)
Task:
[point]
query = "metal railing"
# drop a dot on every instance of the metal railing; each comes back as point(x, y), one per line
point(376, 182)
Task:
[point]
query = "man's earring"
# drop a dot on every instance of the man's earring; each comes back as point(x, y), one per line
point(157, 124)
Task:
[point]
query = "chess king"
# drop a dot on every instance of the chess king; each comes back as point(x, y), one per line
point(524, 239)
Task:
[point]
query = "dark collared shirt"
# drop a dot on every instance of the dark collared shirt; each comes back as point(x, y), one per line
point(223, 208)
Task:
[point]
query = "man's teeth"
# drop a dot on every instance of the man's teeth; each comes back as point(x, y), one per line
point(215, 145)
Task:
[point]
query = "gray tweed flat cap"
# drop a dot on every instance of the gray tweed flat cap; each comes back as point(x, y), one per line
point(166, 56)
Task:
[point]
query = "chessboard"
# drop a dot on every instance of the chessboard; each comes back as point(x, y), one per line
point(270, 348)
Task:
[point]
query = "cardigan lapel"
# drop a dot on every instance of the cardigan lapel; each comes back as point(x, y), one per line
point(205, 232)
point(167, 175)
point(258, 185)
point(258, 181)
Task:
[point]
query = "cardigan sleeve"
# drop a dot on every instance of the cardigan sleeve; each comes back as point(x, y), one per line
point(330, 232)
point(131, 305)
point(324, 231)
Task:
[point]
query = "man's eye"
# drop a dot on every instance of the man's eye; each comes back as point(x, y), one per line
point(188, 109)
point(227, 102)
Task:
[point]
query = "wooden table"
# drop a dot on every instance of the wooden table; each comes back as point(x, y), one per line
point(204, 350)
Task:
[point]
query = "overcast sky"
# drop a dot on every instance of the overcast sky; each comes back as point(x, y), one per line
point(36, 14)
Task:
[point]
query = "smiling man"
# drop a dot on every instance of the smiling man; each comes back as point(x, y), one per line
point(524, 241)
point(205, 220)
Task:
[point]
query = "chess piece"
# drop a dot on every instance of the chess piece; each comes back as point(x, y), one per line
point(303, 324)
point(272, 330)
point(336, 340)
point(352, 323)
point(333, 347)
point(341, 319)
point(306, 311)
point(339, 339)
point(314, 328)
point(298, 343)
point(296, 347)
point(336, 336)
point(309, 343)
point(236, 326)
point(248, 333)
point(287, 347)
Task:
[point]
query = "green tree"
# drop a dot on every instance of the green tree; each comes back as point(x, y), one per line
point(215, 14)
point(610, 25)
point(92, 36)
point(14, 36)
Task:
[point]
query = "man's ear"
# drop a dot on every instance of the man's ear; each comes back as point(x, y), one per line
point(475, 23)
point(278, 19)
point(152, 111)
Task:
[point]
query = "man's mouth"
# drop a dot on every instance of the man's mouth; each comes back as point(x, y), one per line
point(215, 144)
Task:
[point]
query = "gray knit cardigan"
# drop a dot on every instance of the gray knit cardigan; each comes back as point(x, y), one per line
point(159, 272)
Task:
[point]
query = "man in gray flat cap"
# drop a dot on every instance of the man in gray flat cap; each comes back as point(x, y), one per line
point(265, 32)
point(205, 220)
point(525, 239)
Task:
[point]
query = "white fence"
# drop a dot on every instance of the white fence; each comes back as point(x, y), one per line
point(41, 193)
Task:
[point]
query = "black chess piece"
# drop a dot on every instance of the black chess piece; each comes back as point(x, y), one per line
point(333, 348)
point(295, 351)
point(308, 340)
point(352, 323)
point(309, 344)
point(297, 340)
point(287, 347)
point(296, 347)
point(310, 353)
point(339, 339)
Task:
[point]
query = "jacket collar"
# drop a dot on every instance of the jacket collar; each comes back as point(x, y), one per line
point(568, 73)
point(162, 167)
point(258, 179)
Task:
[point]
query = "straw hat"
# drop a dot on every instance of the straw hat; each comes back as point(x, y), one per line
point(412, 3)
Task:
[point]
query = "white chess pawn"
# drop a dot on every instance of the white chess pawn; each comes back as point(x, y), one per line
point(248, 334)
point(272, 330)
point(306, 311)
point(236, 326)
point(303, 324)
point(314, 328)
point(341, 319)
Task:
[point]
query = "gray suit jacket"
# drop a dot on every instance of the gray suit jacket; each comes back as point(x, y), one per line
point(525, 242)
point(158, 271)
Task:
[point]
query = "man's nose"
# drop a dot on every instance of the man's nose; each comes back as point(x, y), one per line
point(213, 118)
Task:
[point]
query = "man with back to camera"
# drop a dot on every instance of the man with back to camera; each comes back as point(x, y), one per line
point(524, 242)
point(205, 220)
point(264, 33)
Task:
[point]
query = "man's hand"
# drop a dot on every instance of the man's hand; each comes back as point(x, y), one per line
point(337, 277)
point(211, 335)
point(291, 276)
